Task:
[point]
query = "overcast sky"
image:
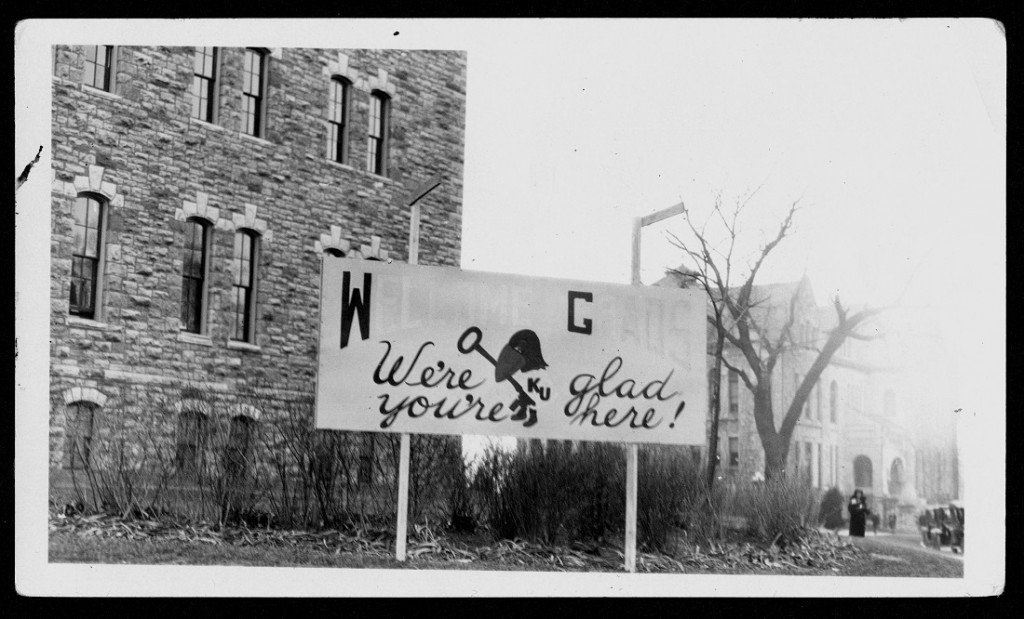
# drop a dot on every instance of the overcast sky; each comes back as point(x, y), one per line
point(890, 133)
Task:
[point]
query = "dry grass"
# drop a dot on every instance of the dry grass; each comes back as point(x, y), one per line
point(115, 541)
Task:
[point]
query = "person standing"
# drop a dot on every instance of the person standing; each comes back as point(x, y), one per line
point(858, 508)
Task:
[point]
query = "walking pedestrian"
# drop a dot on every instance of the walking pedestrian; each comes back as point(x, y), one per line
point(858, 508)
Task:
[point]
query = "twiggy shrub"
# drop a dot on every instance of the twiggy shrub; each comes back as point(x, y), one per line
point(562, 493)
point(251, 457)
point(672, 496)
point(779, 510)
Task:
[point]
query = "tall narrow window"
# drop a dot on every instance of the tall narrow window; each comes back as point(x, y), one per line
point(818, 479)
point(808, 461)
point(817, 400)
point(253, 92)
point(204, 83)
point(85, 257)
point(734, 452)
point(377, 144)
point(734, 393)
point(337, 117)
point(833, 402)
point(244, 300)
point(193, 277)
point(78, 435)
point(189, 448)
point(98, 62)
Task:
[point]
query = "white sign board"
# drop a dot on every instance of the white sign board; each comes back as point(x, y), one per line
point(439, 350)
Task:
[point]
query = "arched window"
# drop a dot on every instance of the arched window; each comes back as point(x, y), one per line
point(334, 252)
point(377, 139)
point(86, 256)
point(244, 286)
point(189, 448)
point(862, 473)
point(254, 91)
point(78, 432)
point(99, 65)
point(337, 118)
point(833, 402)
point(194, 270)
point(204, 83)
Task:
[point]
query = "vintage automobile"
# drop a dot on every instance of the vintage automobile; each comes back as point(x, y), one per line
point(942, 525)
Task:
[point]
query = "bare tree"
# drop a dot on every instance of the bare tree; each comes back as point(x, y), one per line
point(739, 323)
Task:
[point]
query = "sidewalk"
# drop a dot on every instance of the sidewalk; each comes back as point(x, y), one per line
point(905, 539)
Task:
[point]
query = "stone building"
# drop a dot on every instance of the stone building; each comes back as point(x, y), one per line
point(195, 191)
point(857, 428)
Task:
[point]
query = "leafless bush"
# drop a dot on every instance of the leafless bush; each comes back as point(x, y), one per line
point(214, 456)
point(777, 511)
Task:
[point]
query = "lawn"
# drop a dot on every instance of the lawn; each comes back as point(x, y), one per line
point(113, 541)
point(895, 561)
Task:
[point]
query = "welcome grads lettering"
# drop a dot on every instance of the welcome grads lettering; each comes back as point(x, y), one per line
point(520, 375)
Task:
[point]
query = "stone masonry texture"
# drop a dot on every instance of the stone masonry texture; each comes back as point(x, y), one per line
point(154, 166)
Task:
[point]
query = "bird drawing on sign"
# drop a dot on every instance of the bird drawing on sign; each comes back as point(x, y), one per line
point(521, 354)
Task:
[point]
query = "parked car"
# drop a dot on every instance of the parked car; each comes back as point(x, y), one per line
point(942, 525)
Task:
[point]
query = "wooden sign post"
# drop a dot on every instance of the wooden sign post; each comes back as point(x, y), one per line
point(404, 447)
point(632, 449)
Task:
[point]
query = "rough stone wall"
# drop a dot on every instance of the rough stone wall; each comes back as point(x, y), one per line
point(138, 148)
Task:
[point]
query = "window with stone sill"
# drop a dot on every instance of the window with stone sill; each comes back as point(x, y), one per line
point(78, 432)
point(244, 286)
point(338, 120)
point(195, 265)
point(377, 138)
point(204, 84)
point(254, 92)
point(86, 256)
point(99, 64)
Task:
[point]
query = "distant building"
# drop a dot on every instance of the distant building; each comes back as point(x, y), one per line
point(195, 192)
point(858, 428)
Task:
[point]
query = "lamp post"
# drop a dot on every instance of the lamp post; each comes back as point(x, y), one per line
point(632, 450)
